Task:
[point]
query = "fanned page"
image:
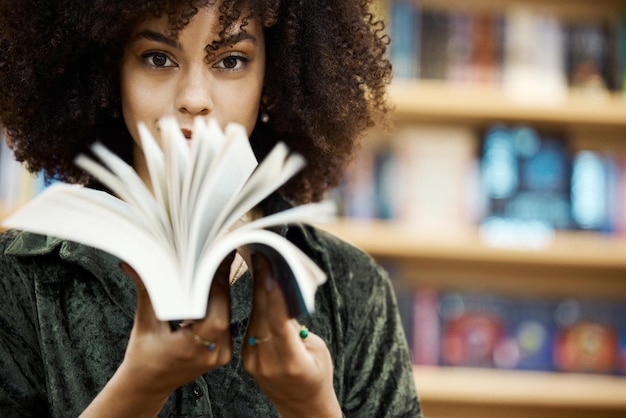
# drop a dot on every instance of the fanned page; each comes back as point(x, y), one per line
point(176, 230)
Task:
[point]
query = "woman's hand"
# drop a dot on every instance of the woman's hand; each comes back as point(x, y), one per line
point(295, 373)
point(159, 360)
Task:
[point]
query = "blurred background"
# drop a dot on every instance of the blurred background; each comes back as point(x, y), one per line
point(497, 204)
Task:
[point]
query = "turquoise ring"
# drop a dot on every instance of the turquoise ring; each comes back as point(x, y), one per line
point(256, 340)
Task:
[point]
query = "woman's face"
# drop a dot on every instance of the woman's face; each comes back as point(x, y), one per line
point(163, 76)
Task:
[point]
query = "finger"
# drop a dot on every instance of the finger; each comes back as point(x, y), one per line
point(219, 295)
point(215, 352)
point(289, 345)
point(260, 308)
point(276, 313)
point(216, 325)
point(144, 315)
point(258, 327)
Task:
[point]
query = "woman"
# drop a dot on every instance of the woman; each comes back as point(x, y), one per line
point(76, 335)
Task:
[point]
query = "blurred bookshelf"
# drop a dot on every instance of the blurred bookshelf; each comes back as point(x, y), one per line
point(406, 203)
point(453, 256)
point(389, 239)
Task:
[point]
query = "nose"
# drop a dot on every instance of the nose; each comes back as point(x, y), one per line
point(194, 92)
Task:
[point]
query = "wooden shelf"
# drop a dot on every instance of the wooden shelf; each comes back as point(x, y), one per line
point(519, 389)
point(576, 264)
point(397, 240)
point(445, 101)
point(578, 10)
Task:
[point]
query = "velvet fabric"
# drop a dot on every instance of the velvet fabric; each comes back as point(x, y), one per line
point(66, 311)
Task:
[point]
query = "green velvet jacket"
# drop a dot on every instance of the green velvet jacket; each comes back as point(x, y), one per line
point(66, 311)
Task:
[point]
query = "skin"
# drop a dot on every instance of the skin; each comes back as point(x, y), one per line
point(171, 76)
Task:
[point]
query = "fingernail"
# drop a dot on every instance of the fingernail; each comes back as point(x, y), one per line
point(270, 283)
point(263, 271)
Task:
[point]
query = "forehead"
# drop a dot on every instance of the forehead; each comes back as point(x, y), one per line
point(227, 27)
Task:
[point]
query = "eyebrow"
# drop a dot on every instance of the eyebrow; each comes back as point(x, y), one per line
point(229, 40)
point(239, 37)
point(157, 37)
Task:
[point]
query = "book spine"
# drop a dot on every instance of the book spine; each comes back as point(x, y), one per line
point(425, 327)
point(435, 33)
point(404, 21)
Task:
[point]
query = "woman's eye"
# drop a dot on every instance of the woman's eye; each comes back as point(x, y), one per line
point(232, 63)
point(158, 59)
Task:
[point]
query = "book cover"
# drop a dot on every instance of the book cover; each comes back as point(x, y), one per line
point(426, 338)
point(591, 191)
point(533, 68)
point(357, 190)
point(404, 16)
point(472, 326)
point(587, 336)
point(588, 57)
point(460, 48)
point(526, 176)
point(434, 36)
point(529, 334)
point(436, 167)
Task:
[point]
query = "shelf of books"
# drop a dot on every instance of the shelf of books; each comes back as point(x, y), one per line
point(470, 308)
point(498, 207)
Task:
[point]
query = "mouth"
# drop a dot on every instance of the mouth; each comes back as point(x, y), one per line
point(186, 133)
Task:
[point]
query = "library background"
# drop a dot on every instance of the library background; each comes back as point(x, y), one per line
point(498, 205)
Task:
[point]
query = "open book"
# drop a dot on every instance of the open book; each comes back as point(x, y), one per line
point(176, 233)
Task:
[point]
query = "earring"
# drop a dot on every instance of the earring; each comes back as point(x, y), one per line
point(265, 107)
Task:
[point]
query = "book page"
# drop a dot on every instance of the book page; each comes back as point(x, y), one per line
point(100, 220)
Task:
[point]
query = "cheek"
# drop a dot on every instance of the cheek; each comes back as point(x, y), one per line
point(141, 104)
point(242, 108)
point(252, 117)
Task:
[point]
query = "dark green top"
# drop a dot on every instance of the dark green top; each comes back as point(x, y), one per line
point(66, 311)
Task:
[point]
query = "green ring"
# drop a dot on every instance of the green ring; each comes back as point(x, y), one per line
point(304, 333)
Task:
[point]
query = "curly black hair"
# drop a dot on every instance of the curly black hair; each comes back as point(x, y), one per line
point(326, 75)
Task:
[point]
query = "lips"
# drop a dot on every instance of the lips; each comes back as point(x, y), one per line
point(186, 132)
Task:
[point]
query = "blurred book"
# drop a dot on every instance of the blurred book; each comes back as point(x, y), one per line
point(527, 343)
point(489, 330)
point(588, 59)
point(434, 35)
point(404, 20)
point(436, 168)
point(526, 176)
point(586, 339)
point(534, 57)
point(593, 191)
point(472, 325)
point(425, 333)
